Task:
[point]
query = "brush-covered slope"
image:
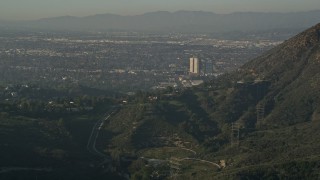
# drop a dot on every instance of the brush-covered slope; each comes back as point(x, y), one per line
point(218, 121)
point(284, 84)
point(293, 69)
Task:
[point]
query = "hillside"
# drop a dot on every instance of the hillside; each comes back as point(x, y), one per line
point(259, 122)
point(43, 137)
point(262, 120)
point(293, 70)
point(274, 100)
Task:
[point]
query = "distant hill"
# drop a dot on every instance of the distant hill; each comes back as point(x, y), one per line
point(180, 21)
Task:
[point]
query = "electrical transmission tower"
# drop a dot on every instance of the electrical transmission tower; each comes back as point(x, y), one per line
point(174, 167)
point(261, 90)
point(260, 110)
point(260, 107)
point(235, 134)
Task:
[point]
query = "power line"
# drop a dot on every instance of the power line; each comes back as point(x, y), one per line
point(260, 110)
point(175, 167)
point(235, 134)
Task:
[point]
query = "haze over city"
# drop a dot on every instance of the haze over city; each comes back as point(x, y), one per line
point(159, 89)
point(37, 9)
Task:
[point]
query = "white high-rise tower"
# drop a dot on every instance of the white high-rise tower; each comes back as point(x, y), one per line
point(194, 66)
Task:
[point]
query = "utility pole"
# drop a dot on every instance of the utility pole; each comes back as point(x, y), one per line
point(260, 107)
point(235, 134)
point(260, 110)
point(174, 167)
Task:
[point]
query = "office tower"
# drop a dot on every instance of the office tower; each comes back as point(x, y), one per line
point(194, 66)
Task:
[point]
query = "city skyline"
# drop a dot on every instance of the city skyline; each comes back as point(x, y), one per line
point(37, 9)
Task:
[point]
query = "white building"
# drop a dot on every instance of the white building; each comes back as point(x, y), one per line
point(194, 66)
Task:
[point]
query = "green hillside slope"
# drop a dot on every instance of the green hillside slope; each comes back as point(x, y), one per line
point(261, 120)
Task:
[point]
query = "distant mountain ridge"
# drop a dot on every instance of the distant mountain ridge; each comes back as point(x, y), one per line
point(180, 21)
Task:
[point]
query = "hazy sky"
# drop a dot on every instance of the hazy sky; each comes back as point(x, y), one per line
point(35, 9)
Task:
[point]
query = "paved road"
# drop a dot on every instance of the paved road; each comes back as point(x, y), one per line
point(8, 169)
point(201, 160)
point(91, 146)
point(190, 150)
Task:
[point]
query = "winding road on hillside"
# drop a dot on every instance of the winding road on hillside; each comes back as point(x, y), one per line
point(201, 160)
point(91, 145)
point(9, 169)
